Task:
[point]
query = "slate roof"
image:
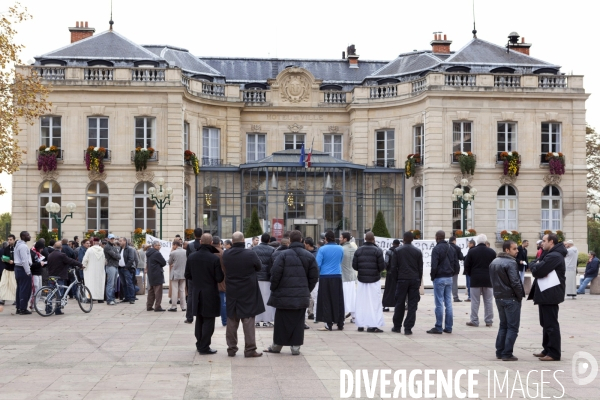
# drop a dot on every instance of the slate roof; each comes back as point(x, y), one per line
point(183, 59)
point(408, 63)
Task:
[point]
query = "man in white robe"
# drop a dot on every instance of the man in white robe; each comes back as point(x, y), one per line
point(93, 272)
point(348, 275)
point(369, 262)
point(571, 269)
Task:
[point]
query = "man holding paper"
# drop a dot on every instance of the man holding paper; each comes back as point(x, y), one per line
point(548, 291)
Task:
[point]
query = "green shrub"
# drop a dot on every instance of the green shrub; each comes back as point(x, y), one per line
point(379, 227)
point(254, 229)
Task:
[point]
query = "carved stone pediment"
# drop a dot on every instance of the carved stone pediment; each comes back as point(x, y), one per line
point(49, 176)
point(508, 116)
point(144, 176)
point(255, 128)
point(462, 115)
point(507, 179)
point(97, 110)
point(295, 128)
point(458, 178)
point(97, 176)
point(334, 128)
point(294, 84)
point(551, 116)
point(551, 179)
point(417, 181)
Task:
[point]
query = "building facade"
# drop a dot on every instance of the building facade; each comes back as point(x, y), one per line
point(248, 121)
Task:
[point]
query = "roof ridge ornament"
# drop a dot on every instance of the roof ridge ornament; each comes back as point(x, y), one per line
point(474, 30)
point(111, 22)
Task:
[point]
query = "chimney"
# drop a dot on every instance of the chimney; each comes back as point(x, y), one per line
point(439, 45)
point(521, 47)
point(81, 31)
point(352, 56)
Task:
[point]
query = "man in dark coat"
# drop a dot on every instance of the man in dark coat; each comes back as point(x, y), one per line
point(408, 264)
point(265, 253)
point(243, 298)
point(155, 262)
point(550, 264)
point(460, 257)
point(522, 259)
point(203, 268)
point(191, 247)
point(391, 276)
point(477, 266)
point(58, 265)
point(293, 276)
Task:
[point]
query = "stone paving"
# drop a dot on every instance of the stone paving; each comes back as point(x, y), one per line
point(125, 352)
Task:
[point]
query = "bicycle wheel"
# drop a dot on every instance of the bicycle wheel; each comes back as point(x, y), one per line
point(84, 298)
point(46, 300)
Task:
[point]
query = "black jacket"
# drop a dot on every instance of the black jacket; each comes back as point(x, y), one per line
point(591, 269)
point(128, 257)
point(477, 265)
point(443, 261)
point(9, 251)
point(203, 267)
point(244, 299)
point(193, 246)
point(459, 257)
point(111, 253)
point(408, 261)
point(277, 251)
point(522, 256)
point(293, 276)
point(69, 251)
point(155, 262)
point(264, 253)
point(36, 265)
point(369, 262)
point(553, 260)
point(505, 278)
point(59, 263)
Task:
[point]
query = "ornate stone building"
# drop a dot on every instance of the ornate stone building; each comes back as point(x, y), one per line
point(247, 120)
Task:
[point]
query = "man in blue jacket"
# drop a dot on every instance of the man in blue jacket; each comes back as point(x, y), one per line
point(591, 271)
point(330, 299)
point(444, 265)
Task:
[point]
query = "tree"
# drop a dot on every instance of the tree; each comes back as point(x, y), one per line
point(254, 229)
point(592, 147)
point(593, 235)
point(4, 221)
point(22, 95)
point(379, 227)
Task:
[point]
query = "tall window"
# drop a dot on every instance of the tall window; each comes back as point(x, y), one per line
point(51, 131)
point(210, 146)
point(144, 132)
point(144, 208)
point(418, 141)
point(97, 206)
point(186, 135)
point(384, 147)
point(294, 141)
point(507, 137)
point(98, 132)
point(506, 209)
point(211, 210)
point(384, 202)
point(256, 147)
point(256, 199)
point(551, 137)
point(49, 192)
point(461, 136)
point(458, 213)
point(551, 208)
point(418, 208)
point(333, 145)
point(333, 206)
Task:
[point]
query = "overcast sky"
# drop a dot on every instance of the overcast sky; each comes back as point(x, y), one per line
point(561, 33)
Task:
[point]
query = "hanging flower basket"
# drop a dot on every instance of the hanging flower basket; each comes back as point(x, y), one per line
point(191, 159)
point(189, 234)
point(416, 234)
point(556, 162)
point(47, 158)
point(466, 161)
point(101, 234)
point(515, 236)
point(560, 234)
point(410, 165)
point(469, 233)
point(141, 157)
point(94, 158)
point(139, 236)
point(512, 163)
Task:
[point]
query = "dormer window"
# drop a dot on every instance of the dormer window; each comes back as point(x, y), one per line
point(331, 87)
point(205, 78)
point(503, 70)
point(387, 81)
point(53, 63)
point(100, 63)
point(458, 68)
point(146, 64)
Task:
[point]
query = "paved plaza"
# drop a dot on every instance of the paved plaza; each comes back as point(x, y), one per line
point(125, 352)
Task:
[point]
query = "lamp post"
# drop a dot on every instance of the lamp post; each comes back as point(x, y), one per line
point(464, 199)
point(595, 211)
point(54, 209)
point(161, 198)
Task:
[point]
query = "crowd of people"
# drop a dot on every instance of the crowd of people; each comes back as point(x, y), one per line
point(282, 283)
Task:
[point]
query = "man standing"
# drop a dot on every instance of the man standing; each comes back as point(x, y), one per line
point(477, 266)
point(93, 264)
point(203, 267)
point(522, 259)
point(192, 247)
point(177, 262)
point(470, 245)
point(443, 267)
point(216, 243)
point(244, 301)
point(126, 263)
point(551, 266)
point(58, 265)
point(391, 278)
point(330, 297)
point(369, 262)
point(591, 271)
point(309, 245)
point(293, 276)
point(571, 269)
point(408, 263)
point(265, 253)
point(111, 253)
point(348, 275)
point(155, 262)
point(8, 283)
point(508, 292)
point(460, 257)
point(23, 273)
point(255, 241)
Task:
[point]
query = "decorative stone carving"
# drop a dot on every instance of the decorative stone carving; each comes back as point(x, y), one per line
point(255, 128)
point(334, 128)
point(551, 116)
point(187, 179)
point(210, 121)
point(145, 110)
point(458, 178)
point(295, 88)
point(144, 176)
point(96, 176)
point(462, 114)
point(97, 110)
point(417, 181)
point(295, 128)
point(551, 179)
point(507, 179)
point(508, 116)
point(49, 176)
point(418, 119)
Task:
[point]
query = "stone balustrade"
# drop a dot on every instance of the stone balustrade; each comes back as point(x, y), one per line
point(148, 74)
point(51, 73)
point(98, 74)
point(552, 81)
point(419, 85)
point(460, 80)
point(254, 95)
point(334, 97)
point(213, 89)
point(507, 81)
point(383, 91)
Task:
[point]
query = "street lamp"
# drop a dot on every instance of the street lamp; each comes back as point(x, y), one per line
point(595, 211)
point(54, 209)
point(161, 198)
point(464, 199)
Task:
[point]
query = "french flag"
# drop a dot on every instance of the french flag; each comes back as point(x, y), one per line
point(302, 156)
point(308, 157)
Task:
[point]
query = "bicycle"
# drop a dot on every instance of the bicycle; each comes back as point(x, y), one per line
point(48, 298)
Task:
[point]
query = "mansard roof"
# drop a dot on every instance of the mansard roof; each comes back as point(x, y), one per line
point(408, 63)
point(183, 59)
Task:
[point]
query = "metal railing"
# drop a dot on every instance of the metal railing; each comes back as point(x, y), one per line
point(454, 157)
point(106, 158)
point(154, 157)
point(207, 161)
point(459, 80)
point(59, 157)
point(499, 159)
point(386, 163)
point(148, 74)
point(543, 159)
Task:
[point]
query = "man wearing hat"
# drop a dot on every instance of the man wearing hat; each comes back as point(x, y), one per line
point(112, 254)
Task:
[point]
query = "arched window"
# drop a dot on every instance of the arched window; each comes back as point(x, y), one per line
point(295, 204)
point(551, 208)
point(97, 206)
point(458, 213)
point(418, 208)
point(333, 207)
point(506, 209)
point(144, 208)
point(210, 199)
point(256, 199)
point(384, 202)
point(49, 192)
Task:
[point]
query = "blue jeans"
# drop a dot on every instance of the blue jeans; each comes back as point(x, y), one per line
point(509, 311)
point(442, 291)
point(468, 286)
point(583, 282)
point(23, 293)
point(111, 281)
point(126, 284)
point(223, 309)
point(136, 288)
point(61, 292)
